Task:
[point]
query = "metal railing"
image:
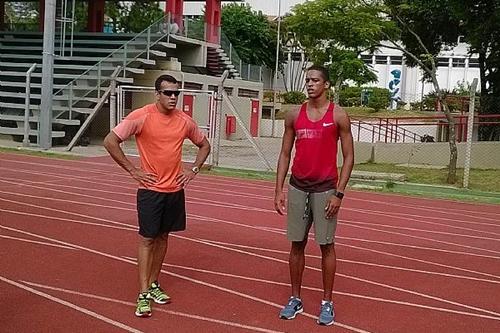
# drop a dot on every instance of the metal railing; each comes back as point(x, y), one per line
point(153, 34)
point(26, 138)
point(246, 71)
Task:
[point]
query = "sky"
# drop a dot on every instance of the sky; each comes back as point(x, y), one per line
point(268, 7)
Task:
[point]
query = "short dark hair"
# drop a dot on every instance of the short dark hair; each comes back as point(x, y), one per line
point(322, 69)
point(165, 77)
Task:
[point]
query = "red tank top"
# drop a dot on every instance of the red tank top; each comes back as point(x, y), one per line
point(314, 166)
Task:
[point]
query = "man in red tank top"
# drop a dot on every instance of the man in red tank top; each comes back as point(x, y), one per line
point(316, 190)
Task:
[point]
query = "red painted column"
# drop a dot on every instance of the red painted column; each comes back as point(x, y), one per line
point(2, 14)
point(212, 21)
point(42, 15)
point(176, 10)
point(95, 16)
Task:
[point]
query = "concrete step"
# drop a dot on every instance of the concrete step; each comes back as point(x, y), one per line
point(35, 119)
point(20, 131)
point(22, 95)
point(83, 68)
point(14, 106)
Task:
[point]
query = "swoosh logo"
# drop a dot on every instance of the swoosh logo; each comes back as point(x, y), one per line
point(327, 124)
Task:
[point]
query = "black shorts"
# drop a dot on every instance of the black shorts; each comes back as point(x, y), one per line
point(160, 212)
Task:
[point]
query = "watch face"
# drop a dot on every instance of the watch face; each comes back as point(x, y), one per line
point(339, 195)
point(195, 169)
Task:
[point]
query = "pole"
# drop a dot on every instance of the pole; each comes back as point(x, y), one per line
point(275, 82)
point(470, 129)
point(49, 28)
point(26, 138)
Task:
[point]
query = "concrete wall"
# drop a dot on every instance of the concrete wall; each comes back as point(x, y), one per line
point(485, 155)
point(200, 106)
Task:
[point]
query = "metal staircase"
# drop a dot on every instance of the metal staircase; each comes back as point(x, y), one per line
point(82, 74)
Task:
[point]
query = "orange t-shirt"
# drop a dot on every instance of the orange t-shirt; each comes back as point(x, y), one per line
point(159, 138)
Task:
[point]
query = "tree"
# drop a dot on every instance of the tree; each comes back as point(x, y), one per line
point(251, 34)
point(480, 25)
point(427, 25)
point(21, 16)
point(140, 15)
point(335, 32)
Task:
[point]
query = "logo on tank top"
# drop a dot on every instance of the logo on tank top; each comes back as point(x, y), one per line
point(327, 124)
point(308, 133)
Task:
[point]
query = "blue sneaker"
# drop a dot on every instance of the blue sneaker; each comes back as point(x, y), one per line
point(292, 308)
point(326, 315)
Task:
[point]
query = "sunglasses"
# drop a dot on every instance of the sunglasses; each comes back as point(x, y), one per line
point(169, 92)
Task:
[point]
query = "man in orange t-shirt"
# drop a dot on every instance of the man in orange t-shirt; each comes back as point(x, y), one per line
point(160, 130)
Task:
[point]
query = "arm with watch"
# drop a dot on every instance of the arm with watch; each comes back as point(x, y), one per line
point(187, 175)
point(346, 142)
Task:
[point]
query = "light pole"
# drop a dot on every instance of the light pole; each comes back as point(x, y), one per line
point(275, 96)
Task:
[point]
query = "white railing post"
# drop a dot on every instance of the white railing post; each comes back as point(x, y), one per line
point(470, 129)
point(26, 138)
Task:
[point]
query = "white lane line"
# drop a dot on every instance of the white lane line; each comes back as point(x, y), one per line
point(35, 242)
point(230, 291)
point(282, 232)
point(209, 219)
point(428, 296)
point(208, 180)
point(157, 309)
point(445, 210)
point(371, 298)
point(113, 223)
point(355, 262)
point(250, 208)
point(72, 306)
point(418, 247)
point(360, 225)
point(424, 220)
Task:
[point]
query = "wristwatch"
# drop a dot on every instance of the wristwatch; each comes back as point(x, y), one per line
point(195, 170)
point(339, 194)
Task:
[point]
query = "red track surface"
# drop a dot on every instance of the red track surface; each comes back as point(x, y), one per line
point(68, 242)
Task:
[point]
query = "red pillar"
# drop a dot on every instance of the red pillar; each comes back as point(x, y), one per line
point(212, 20)
point(2, 14)
point(176, 10)
point(95, 16)
point(41, 17)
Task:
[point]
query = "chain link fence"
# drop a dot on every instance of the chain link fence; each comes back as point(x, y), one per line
point(241, 138)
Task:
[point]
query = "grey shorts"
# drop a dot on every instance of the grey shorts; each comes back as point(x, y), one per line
point(304, 209)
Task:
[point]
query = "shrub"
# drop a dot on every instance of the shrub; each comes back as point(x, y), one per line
point(293, 97)
point(379, 99)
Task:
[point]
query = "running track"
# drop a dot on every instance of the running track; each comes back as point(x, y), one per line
point(68, 245)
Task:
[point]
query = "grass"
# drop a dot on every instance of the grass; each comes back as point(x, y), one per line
point(430, 183)
point(362, 112)
point(484, 184)
point(480, 180)
point(27, 151)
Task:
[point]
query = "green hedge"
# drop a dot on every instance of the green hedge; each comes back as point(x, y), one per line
point(293, 97)
point(372, 97)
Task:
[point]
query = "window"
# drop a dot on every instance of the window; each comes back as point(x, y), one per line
point(193, 86)
point(396, 60)
point(248, 93)
point(474, 63)
point(381, 60)
point(367, 58)
point(458, 62)
point(442, 62)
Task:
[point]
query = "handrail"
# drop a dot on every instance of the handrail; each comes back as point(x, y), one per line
point(124, 48)
point(26, 138)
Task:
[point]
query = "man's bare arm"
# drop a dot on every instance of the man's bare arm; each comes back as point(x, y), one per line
point(112, 145)
point(284, 160)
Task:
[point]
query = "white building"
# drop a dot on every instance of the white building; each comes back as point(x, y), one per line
point(268, 7)
point(454, 67)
